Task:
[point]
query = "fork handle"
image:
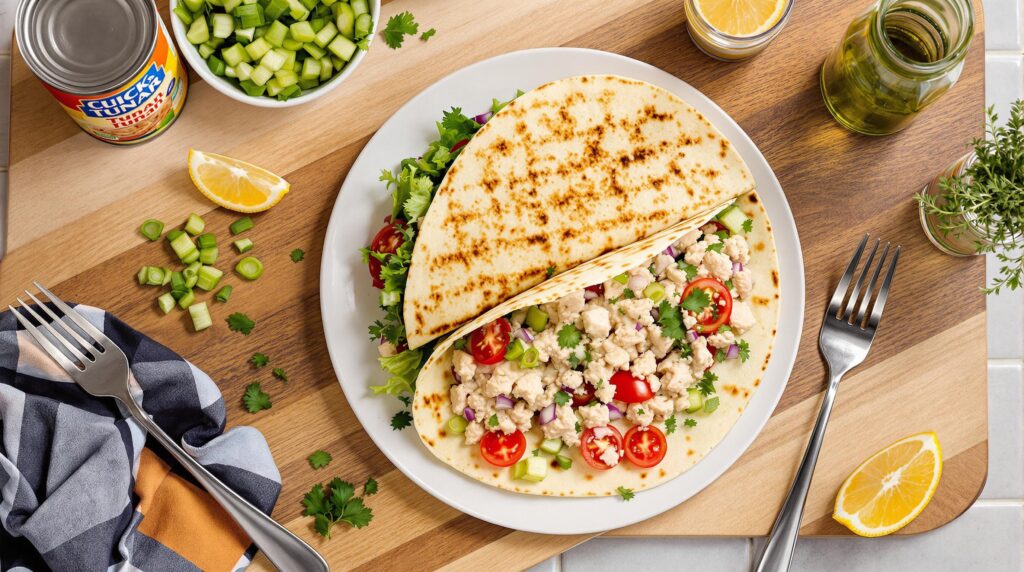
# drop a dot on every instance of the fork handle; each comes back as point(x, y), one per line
point(285, 550)
point(777, 554)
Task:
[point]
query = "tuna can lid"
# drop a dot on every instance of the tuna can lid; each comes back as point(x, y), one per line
point(86, 47)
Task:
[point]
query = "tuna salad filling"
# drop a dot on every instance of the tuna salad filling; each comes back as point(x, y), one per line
point(639, 347)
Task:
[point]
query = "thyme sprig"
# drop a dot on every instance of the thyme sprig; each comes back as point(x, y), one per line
point(990, 191)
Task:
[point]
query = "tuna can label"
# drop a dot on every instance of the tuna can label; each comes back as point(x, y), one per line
point(139, 110)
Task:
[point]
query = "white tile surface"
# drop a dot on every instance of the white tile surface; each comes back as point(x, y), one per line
point(621, 554)
point(1006, 433)
point(984, 539)
point(549, 565)
point(1003, 25)
point(1004, 81)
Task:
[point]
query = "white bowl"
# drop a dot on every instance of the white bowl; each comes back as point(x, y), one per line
point(225, 86)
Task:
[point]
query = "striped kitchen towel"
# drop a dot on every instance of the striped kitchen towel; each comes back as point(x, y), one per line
point(81, 489)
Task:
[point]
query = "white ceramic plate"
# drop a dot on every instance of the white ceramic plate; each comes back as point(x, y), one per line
point(349, 303)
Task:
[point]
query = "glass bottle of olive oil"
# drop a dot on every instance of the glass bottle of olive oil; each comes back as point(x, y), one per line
point(894, 60)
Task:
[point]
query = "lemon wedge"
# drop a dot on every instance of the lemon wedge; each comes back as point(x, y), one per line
point(741, 17)
point(233, 184)
point(892, 487)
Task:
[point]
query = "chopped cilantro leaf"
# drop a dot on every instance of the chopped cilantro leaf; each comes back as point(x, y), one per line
point(335, 504)
point(459, 344)
point(628, 294)
point(550, 271)
point(319, 459)
point(690, 422)
point(239, 322)
point(401, 420)
point(670, 425)
point(717, 247)
point(561, 398)
point(406, 399)
point(399, 26)
point(724, 328)
point(493, 420)
point(428, 34)
point(370, 488)
point(689, 269)
point(707, 383)
point(579, 428)
point(297, 255)
point(569, 336)
point(748, 225)
point(720, 355)
point(259, 360)
point(744, 350)
point(671, 321)
point(626, 494)
point(697, 301)
point(280, 374)
point(255, 399)
point(639, 411)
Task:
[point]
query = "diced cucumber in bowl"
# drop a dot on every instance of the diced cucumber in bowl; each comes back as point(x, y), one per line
point(278, 49)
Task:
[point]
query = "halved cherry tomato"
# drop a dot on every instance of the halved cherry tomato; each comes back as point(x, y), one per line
point(630, 389)
point(591, 447)
point(596, 289)
point(387, 241)
point(645, 446)
point(458, 145)
point(502, 450)
point(717, 314)
point(489, 343)
point(581, 399)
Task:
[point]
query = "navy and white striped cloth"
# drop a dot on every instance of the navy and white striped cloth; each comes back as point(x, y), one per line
point(81, 489)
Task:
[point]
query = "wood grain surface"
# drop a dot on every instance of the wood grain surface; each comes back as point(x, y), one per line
point(76, 204)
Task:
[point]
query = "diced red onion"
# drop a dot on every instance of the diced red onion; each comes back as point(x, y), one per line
point(638, 327)
point(503, 402)
point(614, 412)
point(670, 251)
point(636, 283)
point(469, 414)
point(547, 415)
point(737, 267)
point(483, 117)
point(524, 335)
point(589, 295)
point(693, 335)
point(455, 375)
point(733, 352)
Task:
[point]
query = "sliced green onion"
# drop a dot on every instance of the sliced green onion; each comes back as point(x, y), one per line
point(152, 228)
point(142, 275)
point(622, 278)
point(155, 276)
point(194, 225)
point(173, 234)
point(325, 35)
point(241, 225)
point(207, 240)
point(565, 463)
point(276, 34)
point(655, 292)
point(208, 277)
point(249, 268)
point(342, 47)
point(208, 255)
point(243, 245)
point(536, 319)
point(275, 9)
point(530, 359)
point(515, 350)
point(186, 299)
point(457, 424)
point(346, 20)
point(191, 257)
point(302, 32)
point(224, 293)
point(360, 7)
point(165, 301)
point(250, 15)
point(177, 281)
point(389, 298)
point(200, 316)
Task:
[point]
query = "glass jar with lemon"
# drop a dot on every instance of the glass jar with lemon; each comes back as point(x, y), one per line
point(733, 30)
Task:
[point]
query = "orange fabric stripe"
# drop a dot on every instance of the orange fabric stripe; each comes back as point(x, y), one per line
point(186, 519)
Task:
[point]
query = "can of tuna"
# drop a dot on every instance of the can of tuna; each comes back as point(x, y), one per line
point(110, 64)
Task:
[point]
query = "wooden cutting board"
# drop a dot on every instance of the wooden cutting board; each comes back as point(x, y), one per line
point(76, 204)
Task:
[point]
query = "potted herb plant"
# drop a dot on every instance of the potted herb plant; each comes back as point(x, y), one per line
point(976, 206)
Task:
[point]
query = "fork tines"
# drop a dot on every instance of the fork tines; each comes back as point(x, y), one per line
point(845, 301)
point(72, 341)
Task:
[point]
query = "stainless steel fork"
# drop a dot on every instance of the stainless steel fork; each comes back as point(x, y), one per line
point(101, 368)
point(846, 335)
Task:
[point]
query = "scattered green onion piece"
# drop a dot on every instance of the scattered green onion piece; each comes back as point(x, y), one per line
point(224, 293)
point(530, 359)
point(536, 319)
point(389, 298)
point(183, 246)
point(171, 235)
point(515, 350)
point(194, 225)
point(152, 228)
point(622, 278)
point(142, 275)
point(166, 301)
point(177, 281)
point(207, 240)
point(187, 299)
point(208, 277)
point(249, 268)
point(154, 276)
point(457, 424)
point(243, 245)
point(655, 292)
point(565, 463)
point(200, 316)
point(241, 225)
point(208, 255)
point(191, 257)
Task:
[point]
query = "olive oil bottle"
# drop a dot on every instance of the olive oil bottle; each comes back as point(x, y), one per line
point(894, 60)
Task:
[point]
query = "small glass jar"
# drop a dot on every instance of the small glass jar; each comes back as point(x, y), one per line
point(964, 243)
point(722, 46)
point(894, 60)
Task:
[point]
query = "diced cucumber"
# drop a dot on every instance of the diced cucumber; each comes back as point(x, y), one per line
point(515, 350)
point(276, 34)
point(244, 34)
point(234, 55)
point(564, 463)
point(165, 301)
point(732, 218)
point(198, 32)
point(183, 14)
point(230, 5)
point(286, 78)
point(621, 278)
point(311, 69)
point(200, 316)
point(258, 48)
point(552, 446)
point(223, 25)
point(195, 224)
point(696, 400)
point(519, 469)
point(536, 319)
point(457, 424)
point(243, 71)
point(314, 50)
point(325, 35)
point(302, 31)
point(536, 469)
point(360, 7)
point(260, 75)
point(249, 16)
point(274, 59)
point(193, 5)
point(326, 69)
point(654, 292)
point(273, 87)
point(275, 9)
point(292, 44)
point(251, 88)
point(216, 65)
point(364, 22)
point(711, 404)
point(346, 20)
